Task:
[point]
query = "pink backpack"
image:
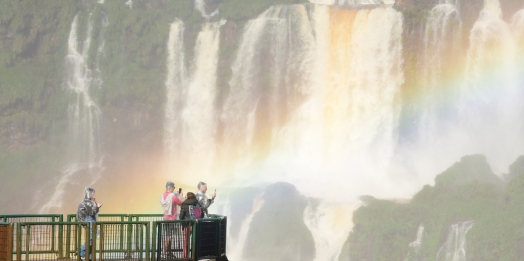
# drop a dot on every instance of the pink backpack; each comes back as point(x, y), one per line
point(196, 212)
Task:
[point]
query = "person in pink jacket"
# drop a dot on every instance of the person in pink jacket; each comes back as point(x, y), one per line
point(169, 201)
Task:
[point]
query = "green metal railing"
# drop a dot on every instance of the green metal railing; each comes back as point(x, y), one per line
point(105, 237)
point(174, 240)
point(15, 219)
point(131, 237)
point(36, 240)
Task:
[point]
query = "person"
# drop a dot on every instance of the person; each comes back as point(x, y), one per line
point(190, 201)
point(169, 202)
point(87, 212)
point(185, 213)
point(203, 200)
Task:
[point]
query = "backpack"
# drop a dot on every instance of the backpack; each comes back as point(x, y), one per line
point(167, 204)
point(195, 212)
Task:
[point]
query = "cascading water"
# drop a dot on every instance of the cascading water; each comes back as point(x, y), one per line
point(315, 101)
point(333, 102)
point(262, 87)
point(441, 42)
point(175, 84)
point(315, 93)
point(414, 253)
point(190, 118)
point(236, 244)
point(470, 105)
point(330, 223)
point(489, 106)
point(199, 118)
point(454, 249)
point(84, 115)
point(271, 96)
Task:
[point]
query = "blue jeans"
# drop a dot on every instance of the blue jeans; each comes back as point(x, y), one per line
point(83, 248)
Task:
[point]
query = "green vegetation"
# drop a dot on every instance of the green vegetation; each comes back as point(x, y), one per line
point(466, 191)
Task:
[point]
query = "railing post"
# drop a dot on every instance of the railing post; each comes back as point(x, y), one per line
point(187, 235)
point(60, 237)
point(128, 256)
point(101, 241)
point(138, 231)
point(194, 239)
point(68, 240)
point(18, 242)
point(53, 234)
point(148, 250)
point(154, 240)
point(27, 241)
point(79, 229)
point(92, 240)
point(122, 229)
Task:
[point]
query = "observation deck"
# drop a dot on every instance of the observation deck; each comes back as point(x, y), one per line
point(129, 237)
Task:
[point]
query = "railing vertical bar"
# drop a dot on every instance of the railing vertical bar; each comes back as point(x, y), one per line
point(102, 234)
point(122, 235)
point(78, 241)
point(18, 242)
point(148, 240)
point(53, 235)
point(68, 241)
point(92, 240)
point(196, 227)
point(28, 230)
point(154, 240)
point(128, 241)
point(61, 238)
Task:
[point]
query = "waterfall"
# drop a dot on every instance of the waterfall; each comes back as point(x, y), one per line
point(190, 117)
point(330, 225)
point(83, 115)
point(311, 86)
point(468, 102)
point(454, 249)
point(316, 92)
point(415, 247)
point(441, 43)
point(266, 77)
point(176, 80)
point(491, 42)
point(199, 118)
point(489, 106)
point(236, 245)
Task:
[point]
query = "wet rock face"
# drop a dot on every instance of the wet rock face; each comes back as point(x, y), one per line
point(277, 231)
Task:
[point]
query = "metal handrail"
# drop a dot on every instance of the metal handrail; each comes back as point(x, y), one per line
point(10, 217)
point(130, 237)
